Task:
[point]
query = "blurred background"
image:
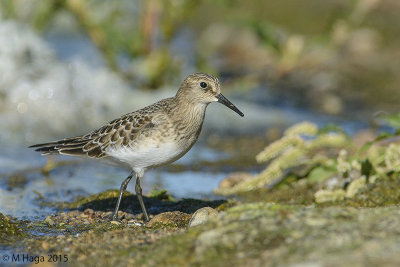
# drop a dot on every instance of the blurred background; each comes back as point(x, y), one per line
point(66, 67)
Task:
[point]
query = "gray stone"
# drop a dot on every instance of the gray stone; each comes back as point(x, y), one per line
point(202, 215)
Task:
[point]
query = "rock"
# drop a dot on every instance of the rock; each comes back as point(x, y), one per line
point(174, 219)
point(202, 215)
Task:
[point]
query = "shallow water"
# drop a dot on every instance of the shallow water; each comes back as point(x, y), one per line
point(21, 194)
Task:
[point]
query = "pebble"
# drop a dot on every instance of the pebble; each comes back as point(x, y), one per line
point(168, 218)
point(202, 215)
point(135, 223)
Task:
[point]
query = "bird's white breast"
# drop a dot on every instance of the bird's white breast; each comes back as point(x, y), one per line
point(148, 155)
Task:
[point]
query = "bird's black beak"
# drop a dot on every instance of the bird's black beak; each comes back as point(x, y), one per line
point(223, 100)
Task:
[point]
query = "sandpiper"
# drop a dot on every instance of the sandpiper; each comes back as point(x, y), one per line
point(152, 136)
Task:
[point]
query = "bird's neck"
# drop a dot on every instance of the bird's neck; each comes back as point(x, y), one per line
point(190, 111)
point(188, 114)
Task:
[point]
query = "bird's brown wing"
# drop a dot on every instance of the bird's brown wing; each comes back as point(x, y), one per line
point(119, 132)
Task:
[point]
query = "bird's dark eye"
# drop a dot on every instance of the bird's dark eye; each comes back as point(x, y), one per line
point(203, 85)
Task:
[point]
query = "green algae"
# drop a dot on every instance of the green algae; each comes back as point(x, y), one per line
point(270, 234)
point(169, 220)
point(309, 165)
point(161, 194)
point(380, 194)
point(303, 144)
point(10, 231)
point(384, 192)
point(98, 201)
point(226, 205)
point(257, 233)
point(72, 229)
point(298, 193)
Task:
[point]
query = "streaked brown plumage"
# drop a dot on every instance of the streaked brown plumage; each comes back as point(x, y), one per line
point(155, 135)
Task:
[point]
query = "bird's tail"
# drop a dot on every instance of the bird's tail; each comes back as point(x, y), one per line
point(69, 146)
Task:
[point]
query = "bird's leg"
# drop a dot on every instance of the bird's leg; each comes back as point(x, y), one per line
point(121, 192)
point(138, 190)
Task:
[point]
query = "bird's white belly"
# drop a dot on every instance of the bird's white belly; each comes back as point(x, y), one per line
point(149, 155)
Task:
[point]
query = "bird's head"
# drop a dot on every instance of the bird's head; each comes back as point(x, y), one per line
point(203, 88)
